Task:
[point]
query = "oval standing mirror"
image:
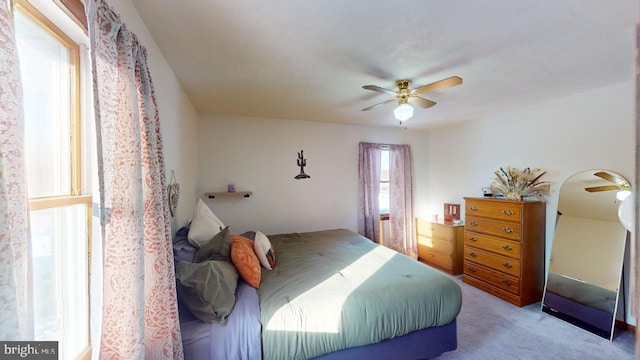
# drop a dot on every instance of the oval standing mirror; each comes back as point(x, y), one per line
point(587, 252)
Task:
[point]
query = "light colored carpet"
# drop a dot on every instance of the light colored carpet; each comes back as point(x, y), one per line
point(490, 328)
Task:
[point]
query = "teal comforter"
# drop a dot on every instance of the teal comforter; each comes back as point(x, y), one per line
point(335, 289)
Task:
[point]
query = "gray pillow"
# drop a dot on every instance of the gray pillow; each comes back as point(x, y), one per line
point(218, 248)
point(207, 288)
point(183, 250)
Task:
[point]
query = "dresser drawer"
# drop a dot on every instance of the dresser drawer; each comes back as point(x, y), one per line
point(494, 261)
point(494, 244)
point(492, 277)
point(499, 228)
point(435, 230)
point(494, 209)
point(439, 245)
point(433, 257)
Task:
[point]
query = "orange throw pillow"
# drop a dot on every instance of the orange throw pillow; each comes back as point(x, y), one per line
point(245, 260)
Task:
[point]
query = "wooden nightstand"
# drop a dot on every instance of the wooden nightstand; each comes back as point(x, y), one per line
point(440, 245)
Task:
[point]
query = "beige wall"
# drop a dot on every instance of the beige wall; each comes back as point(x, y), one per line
point(260, 155)
point(591, 130)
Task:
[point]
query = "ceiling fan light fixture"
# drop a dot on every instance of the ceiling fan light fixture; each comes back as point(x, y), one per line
point(623, 194)
point(403, 112)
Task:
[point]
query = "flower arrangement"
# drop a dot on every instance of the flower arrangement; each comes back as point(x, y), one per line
point(517, 184)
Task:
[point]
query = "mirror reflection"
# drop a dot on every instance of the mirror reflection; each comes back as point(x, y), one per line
point(587, 252)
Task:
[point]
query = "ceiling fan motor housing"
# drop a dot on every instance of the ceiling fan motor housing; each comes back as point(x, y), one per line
point(403, 91)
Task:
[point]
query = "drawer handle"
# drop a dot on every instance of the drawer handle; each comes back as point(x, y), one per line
point(507, 265)
point(471, 269)
point(507, 212)
point(473, 223)
point(507, 247)
point(506, 282)
point(473, 208)
point(472, 239)
point(472, 254)
point(507, 230)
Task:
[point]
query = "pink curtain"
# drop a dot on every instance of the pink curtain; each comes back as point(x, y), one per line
point(16, 307)
point(369, 190)
point(401, 229)
point(139, 310)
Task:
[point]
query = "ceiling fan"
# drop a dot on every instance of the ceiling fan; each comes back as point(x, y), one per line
point(619, 183)
point(404, 95)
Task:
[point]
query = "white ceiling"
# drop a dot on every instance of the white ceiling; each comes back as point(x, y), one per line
point(308, 60)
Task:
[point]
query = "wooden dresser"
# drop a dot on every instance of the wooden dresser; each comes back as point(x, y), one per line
point(504, 246)
point(440, 245)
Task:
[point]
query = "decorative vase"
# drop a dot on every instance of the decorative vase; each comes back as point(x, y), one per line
point(513, 195)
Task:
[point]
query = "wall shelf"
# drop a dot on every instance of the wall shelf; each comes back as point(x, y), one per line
point(213, 195)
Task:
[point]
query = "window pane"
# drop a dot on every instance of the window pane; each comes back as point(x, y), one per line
point(384, 182)
point(383, 199)
point(384, 165)
point(46, 80)
point(60, 280)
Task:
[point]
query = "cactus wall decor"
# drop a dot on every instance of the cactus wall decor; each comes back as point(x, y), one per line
point(302, 162)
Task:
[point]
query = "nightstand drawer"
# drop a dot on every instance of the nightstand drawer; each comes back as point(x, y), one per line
point(494, 244)
point(503, 229)
point(435, 230)
point(433, 257)
point(439, 245)
point(494, 261)
point(494, 209)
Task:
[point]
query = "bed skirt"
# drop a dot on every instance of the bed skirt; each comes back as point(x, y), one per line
point(422, 344)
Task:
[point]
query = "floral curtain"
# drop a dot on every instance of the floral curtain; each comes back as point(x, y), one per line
point(369, 190)
point(401, 229)
point(16, 307)
point(139, 304)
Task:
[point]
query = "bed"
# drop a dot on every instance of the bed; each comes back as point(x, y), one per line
point(332, 294)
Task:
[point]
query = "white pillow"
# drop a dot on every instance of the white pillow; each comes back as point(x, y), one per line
point(204, 225)
point(264, 251)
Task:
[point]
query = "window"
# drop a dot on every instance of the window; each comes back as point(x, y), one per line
point(60, 215)
point(384, 183)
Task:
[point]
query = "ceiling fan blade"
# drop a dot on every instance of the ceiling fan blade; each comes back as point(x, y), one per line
point(444, 83)
point(422, 102)
point(378, 104)
point(601, 188)
point(380, 89)
point(611, 178)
